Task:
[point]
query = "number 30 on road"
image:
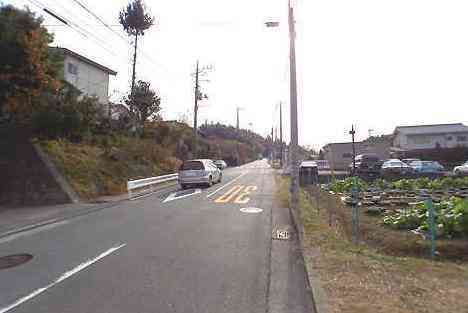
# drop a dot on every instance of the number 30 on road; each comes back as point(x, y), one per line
point(237, 194)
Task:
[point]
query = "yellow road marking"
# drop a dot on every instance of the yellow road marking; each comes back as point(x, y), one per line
point(243, 196)
point(230, 194)
point(237, 194)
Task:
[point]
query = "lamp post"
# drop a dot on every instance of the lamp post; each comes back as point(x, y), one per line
point(294, 189)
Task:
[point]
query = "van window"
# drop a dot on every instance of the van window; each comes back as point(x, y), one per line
point(192, 165)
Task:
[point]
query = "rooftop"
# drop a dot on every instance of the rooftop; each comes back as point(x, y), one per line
point(85, 59)
point(432, 129)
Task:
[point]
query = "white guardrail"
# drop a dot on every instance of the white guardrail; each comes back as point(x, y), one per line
point(147, 185)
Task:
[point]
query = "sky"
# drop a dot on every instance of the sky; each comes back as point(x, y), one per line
point(375, 64)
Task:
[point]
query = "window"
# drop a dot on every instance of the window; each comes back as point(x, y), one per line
point(462, 138)
point(72, 69)
point(347, 155)
point(449, 138)
point(192, 165)
point(420, 140)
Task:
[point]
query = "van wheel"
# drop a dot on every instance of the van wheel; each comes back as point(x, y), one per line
point(220, 177)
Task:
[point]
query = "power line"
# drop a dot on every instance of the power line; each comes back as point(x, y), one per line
point(72, 25)
point(101, 20)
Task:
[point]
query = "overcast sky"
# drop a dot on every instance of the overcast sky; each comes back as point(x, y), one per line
point(377, 64)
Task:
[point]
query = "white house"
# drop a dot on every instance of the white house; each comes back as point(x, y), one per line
point(410, 138)
point(90, 77)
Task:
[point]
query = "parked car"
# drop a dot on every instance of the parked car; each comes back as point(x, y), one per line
point(409, 161)
point(395, 168)
point(220, 164)
point(461, 169)
point(199, 172)
point(427, 167)
point(366, 165)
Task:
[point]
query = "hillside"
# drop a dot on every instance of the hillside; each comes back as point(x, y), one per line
point(102, 164)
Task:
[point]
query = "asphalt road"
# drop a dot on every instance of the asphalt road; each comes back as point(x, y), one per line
point(176, 251)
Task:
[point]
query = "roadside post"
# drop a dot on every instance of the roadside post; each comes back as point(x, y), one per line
point(432, 226)
point(355, 212)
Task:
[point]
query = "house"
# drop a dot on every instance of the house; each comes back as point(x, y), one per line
point(340, 155)
point(426, 137)
point(90, 77)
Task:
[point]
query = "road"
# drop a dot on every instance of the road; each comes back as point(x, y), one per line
point(173, 251)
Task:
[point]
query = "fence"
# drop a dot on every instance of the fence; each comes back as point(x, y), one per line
point(143, 186)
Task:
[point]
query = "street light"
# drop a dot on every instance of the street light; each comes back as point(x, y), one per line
point(293, 106)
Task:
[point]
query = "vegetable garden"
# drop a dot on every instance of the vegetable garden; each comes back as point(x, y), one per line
point(401, 207)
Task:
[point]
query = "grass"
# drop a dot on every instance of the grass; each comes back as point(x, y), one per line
point(96, 169)
point(362, 278)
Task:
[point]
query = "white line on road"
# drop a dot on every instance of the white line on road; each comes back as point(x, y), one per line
point(173, 196)
point(62, 277)
point(225, 185)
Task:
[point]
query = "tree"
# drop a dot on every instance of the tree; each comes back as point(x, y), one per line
point(135, 20)
point(27, 67)
point(143, 103)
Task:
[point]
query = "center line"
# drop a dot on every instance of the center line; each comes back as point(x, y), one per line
point(62, 277)
point(220, 188)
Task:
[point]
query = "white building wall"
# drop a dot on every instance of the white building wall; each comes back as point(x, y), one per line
point(428, 141)
point(88, 79)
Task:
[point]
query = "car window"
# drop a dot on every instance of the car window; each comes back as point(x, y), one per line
point(192, 165)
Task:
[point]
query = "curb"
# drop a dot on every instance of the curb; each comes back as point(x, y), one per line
point(317, 294)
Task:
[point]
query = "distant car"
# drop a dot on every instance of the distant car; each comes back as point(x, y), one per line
point(220, 164)
point(409, 161)
point(199, 172)
point(461, 169)
point(322, 165)
point(427, 167)
point(366, 165)
point(395, 167)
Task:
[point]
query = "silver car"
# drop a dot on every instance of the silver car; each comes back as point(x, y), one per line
point(461, 169)
point(199, 172)
point(220, 164)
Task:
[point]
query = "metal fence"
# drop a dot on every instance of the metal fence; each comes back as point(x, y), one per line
point(143, 186)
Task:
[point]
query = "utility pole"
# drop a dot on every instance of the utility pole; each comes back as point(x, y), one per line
point(195, 110)
point(237, 123)
point(293, 104)
point(281, 134)
point(198, 96)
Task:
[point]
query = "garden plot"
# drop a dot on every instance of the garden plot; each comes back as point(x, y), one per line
point(394, 215)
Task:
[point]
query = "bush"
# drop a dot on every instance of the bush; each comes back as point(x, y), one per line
point(70, 120)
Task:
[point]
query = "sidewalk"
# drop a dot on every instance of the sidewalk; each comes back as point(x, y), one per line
point(13, 219)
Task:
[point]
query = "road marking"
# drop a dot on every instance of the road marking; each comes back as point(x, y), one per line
point(243, 196)
point(230, 194)
point(173, 196)
point(225, 185)
point(62, 277)
point(32, 231)
point(249, 210)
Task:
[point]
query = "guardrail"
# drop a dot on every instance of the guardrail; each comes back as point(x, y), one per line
point(147, 185)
